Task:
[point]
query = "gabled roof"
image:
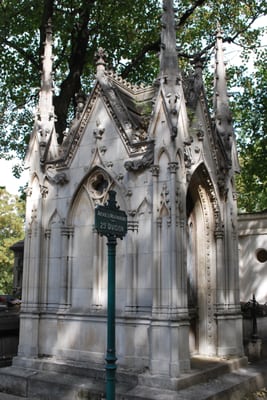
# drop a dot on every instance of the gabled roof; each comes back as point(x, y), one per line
point(130, 107)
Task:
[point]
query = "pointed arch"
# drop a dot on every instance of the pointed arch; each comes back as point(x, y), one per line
point(202, 176)
point(202, 218)
point(81, 218)
point(88, 254)
point(138, 265)
point(34, 177)
point(94, 186)
point(179, 157)
point(144, 207)
point(34, 187)
point(162, 152)
point(54, 217)
point(97, 161)
point(96, 183)
point(52, 271)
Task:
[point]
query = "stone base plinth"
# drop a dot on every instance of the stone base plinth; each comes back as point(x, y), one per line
point(254, 349)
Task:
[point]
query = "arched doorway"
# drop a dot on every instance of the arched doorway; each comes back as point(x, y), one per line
point(201, 263)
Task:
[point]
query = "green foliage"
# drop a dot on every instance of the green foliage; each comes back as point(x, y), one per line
point(129, 31)
point(251, 126)
point(11, 231)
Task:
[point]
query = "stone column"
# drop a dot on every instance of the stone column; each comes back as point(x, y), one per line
point(179, 323)
point(155, 243)
point(34, 264)
point(27, 246)
point(228, 315)
point(69, 266)
point(169, 338)
point(25, 346)
point(26, 262)
point(46, 269)
point(174, 301)
point(159, 348)
point(233, 266)
point(66, 234)
point(236, 252)
point(29, 317)
point(131, 306)
point(181, 248)
point(96, 272)
point(220, 267)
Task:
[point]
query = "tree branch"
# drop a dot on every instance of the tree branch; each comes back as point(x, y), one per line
point(154, 47)
point(233, 38)
point(72, 84)
point(189, 12)
point(27, 56)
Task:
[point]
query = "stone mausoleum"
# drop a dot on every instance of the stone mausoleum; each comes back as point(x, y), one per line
point(172, 165)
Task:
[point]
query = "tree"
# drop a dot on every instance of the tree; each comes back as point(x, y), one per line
point(128, 29)
point(251, 125)
point(11, 231)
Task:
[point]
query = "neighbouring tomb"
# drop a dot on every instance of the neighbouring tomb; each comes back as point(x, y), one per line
point(18, 249)
point(172, 166)
point(9, 310)
point(252, 231)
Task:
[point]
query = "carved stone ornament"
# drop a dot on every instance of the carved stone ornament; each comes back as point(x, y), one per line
point(200, 133)
point(57, 177)
point(155, 170)
point(43, 191)
point(98, 184)
point(188, 159)
point(80, 99)
point(194, 85)
point(164, 209)
point(28, 191)
point(99, 131)
point(33, 215)
point(142, 163)
point(173, 167)
point(100, 57)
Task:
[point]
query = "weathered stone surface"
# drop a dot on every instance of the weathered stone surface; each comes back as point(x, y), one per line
point(209, 378)
point(177, 287)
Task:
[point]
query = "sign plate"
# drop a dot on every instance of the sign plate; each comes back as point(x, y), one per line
point(110, 222)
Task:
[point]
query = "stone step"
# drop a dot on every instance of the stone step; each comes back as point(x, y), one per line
point(215, 381)
point(6, 396)
point(231, 386)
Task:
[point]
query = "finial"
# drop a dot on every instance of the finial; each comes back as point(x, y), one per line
point(49, 27)
point(45, 115)
point(47, 83)
point(194, 83)
point(80, 99)
point(100, 57)
point(168, 53)
point(169, 80)
point(223, 116)
point(219, 31)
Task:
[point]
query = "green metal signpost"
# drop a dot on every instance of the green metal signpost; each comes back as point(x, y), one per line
point(111, 222)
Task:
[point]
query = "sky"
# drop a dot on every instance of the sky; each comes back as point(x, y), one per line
point(7, 179)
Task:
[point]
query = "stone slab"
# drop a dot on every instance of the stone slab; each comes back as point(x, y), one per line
point(233, 384)
point(5, 396)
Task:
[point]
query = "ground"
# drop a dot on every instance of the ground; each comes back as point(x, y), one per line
point(260, 394)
